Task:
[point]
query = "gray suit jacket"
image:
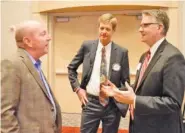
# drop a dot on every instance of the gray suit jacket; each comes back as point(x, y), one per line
point(160, 93)
point(86, 55)
point(25, 105)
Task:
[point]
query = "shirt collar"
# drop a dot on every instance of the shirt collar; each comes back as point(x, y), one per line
point(37, 63)
point(154, 48)
point(100, 46)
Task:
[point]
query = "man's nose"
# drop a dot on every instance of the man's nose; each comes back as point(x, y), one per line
point(49, 37)
point(104, 31)
point(140, 29)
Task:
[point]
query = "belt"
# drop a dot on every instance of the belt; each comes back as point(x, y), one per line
point(97, 98)
point(92, 96)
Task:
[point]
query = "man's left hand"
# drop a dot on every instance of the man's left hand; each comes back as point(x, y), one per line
point(127, 96)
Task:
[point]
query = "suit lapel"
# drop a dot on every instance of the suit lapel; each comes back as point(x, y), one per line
point(113, 55)
point(54, 99)
point(92, 56)
point(138, 71)
point(93, 52)
point(27, 61)
point(152, 62)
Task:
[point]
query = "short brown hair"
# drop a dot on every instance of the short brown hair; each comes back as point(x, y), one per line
point(108, 18)
point(161, 17)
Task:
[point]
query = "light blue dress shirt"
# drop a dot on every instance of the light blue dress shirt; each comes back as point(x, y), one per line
point(37, 65)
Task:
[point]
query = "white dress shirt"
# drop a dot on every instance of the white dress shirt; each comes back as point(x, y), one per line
point(93, 87)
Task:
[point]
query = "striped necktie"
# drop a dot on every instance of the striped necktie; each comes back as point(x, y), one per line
point(142, 71)
point(103, 77)
point(144, 66)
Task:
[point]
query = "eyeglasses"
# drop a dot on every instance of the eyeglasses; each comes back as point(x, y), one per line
point(145, 25)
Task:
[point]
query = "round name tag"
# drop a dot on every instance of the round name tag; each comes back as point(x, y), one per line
point(116, 67)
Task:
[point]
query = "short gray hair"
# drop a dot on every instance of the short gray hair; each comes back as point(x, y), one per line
point(161, 17)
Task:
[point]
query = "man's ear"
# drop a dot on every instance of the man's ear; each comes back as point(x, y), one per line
point(27, 41)
point(161, 26)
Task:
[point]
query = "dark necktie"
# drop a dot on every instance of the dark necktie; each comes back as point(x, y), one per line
point(103, 77)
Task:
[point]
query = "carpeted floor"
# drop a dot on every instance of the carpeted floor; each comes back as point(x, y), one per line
point(66, 129)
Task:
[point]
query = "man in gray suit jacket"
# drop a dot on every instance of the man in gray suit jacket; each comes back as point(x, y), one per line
point(27, 102)
point(90, 54)
point(160, 81)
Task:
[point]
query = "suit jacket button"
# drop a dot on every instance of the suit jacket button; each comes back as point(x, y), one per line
point(52, 109)
point(54, 127)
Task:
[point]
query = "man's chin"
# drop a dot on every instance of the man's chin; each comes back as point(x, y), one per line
point(104, 40)
point(45, 52)
point(142, 40)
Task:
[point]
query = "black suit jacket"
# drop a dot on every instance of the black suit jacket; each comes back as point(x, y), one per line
point(160, 93)
point(86, 56)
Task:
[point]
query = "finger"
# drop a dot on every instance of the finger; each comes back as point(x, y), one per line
point(132, 111)
point(83, 102)
point(101, 87)
point(132, 115)
point(85, 99)
point(109, 82)
point(105, 87)
point(128, 86)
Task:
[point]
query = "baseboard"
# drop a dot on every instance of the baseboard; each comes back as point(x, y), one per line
point(66, 129)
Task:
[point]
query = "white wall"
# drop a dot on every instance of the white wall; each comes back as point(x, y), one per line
point(12, 12)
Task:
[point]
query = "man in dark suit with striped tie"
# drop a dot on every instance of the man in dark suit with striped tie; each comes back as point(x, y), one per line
point(160, 81)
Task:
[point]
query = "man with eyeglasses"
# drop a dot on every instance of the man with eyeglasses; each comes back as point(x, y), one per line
point(157, 96)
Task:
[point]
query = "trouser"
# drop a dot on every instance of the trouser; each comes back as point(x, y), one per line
point(93, 112)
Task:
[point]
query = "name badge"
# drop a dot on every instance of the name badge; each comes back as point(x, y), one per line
point(116, 67)
point(138, 66)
